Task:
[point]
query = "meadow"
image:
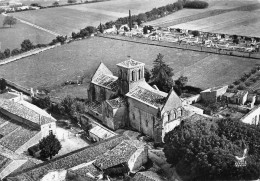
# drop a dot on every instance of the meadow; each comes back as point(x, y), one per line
point(12, 37)
point(234, 22)
point(219, 17)
point(80, 59)
point(65, 20)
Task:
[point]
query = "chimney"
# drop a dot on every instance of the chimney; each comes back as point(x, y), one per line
point(32, 93)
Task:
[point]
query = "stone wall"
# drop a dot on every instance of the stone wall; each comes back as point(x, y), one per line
point(142, 117)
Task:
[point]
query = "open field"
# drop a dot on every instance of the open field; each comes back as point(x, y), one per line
point(12, 37)
point(53, 67)
point(66, 19)
point(234, 22)
point(41, 2)
point(219, 17)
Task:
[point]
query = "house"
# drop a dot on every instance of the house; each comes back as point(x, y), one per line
point(29, 115)
point(212, 94)
point(147, 176)
point(128, 100)
point(99, 133)
point(240, 97)
point(77, 161)
point(130, 153)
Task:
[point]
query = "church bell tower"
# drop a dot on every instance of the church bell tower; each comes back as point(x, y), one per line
point(130, 74)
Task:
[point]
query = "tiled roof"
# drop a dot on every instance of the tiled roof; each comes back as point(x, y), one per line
point(241, 93)
point(94, 106)
point(23, 112)
point(87, 169)
point(83, 155)
point(147, 96)
point(118, 155)
point(147, 176)
point(117, 102)
point(130, 63)
point(107, 81)
point(101, 132)
point(7, 95)
point(4, 161)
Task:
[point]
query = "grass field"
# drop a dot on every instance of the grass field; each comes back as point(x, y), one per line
point(12, 37)
point(227, 21)
point(66, 19)
point(234, 22)
point(53, 67)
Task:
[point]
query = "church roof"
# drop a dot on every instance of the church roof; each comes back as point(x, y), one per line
point(130, 63)
point(117, 102)
point(149, 96)
point(102, 69)
point(172, 101)
point(107, 81)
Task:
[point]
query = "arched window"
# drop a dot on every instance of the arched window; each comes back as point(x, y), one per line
point(169, 116)
point(133, 75)
point(133, 116)
point(146, 122)
point(139, 73)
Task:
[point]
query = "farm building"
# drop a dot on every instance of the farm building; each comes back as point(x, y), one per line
point(127, 100)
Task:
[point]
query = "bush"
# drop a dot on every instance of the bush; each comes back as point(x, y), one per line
point(248, 83)
point(253, 79)
point(15, 52)
point(241, 87)
point(178, 5)
point(231, 86)
point(72, 1)
point(237, 82)
point(195, 33)
point(253, 71)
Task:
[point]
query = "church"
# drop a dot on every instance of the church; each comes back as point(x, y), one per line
point(129, 101)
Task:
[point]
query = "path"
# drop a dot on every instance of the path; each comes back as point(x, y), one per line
point(26, 54)
point(36, 26)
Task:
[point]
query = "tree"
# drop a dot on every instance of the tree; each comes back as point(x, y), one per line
point(207, 149)
point(56, 3)
point(195, 33)
point(91, 29)
point(9, 20)
point(7, 53)
point(130, 21)
point(26, 45)
point(2, 10)
point(2, 56)
point(42, 102)
point(49, 146)
point(101, 28)
point(181, 81)
point(15, 51)
point(147, 74)
point(67, 103)
point(72, 1)
point(142, 17)
point(2, 84)
point(162, 74)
